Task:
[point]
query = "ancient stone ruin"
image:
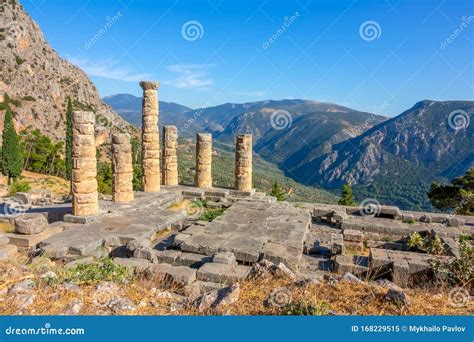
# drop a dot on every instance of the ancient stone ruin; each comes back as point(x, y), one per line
point(147, 230)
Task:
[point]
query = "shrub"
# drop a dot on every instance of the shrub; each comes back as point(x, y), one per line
point(430, 244)
point(305, 309)
point(18, 186)
point(458, 270)
point(210, 214)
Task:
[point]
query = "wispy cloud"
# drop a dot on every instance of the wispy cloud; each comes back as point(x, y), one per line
point(190, 76)
point(108, 69)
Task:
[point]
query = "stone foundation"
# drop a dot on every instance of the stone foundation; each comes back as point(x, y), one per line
point(85, 200)
point(150, 138)
point(122, 168)
point(243, 162)
point(203, 177)
point(170, 155)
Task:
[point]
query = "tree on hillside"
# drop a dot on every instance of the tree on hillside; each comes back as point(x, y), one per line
point(347, 198)
point(68, 158)
point(12, 158)
point(457, 197)
point(277, 191)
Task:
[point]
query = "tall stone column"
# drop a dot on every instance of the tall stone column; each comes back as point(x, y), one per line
point(243, 162)
point(150, 138)
point(85, 199)
point(122, 168)
point(203, 177)
point(170, 155)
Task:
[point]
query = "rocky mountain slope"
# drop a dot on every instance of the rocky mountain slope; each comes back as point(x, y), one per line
point(397, 160)
point(35, 82)
point(130, 108)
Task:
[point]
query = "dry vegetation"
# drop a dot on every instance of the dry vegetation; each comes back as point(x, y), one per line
point(342, 298)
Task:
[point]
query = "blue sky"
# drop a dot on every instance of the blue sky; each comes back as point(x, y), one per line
point(378, 56)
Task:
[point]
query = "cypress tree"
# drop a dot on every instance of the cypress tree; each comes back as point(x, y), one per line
point(12, 158)
point(346, 196)
point(277, 191)
point(69, 139)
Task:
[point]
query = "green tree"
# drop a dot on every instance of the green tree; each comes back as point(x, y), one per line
point(347, 198)
point(12, 158)
point(68, 162)
point(277, 191)
point(457, 197)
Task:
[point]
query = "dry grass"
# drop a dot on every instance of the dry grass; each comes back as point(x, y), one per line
point(341, 298)
point(56, 185)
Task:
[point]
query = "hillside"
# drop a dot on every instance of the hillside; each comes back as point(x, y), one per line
point(129, 107)
point(397, 160)
point(35, 82)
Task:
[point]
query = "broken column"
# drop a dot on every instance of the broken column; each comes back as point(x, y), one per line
point(150, 138)
point(203, 176)
point(122, 168)
point(243, 162)
point(85, 200)
point(170, 156)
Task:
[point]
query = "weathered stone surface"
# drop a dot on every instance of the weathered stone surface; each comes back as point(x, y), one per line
point(8, 251)
point(349, 277)
point(243, 162)
point(168, 256)
point(138, 264)
point(400, 272)
point(74, 307)
point(29, 241)
point(353, 235)
point(199, 288)
point(227, 258)
point(202, 244)
point(397, 295)
point(150, 138)
point(84, 182)
point(203, 176)
point(24, 286)
point(222, 273)
point(3, 240)
point(182, 274)
point(192, 260)
point(351, 264)
point(218, 298)
point(30, 224)
point(122, 168)
point(170, 157)
point(245, 248)
point(146, 253)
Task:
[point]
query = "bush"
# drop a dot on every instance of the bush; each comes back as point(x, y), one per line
point(18, 186)
point(305, 309)
point(210, 214)
point(104, 178)
point(430, 244)
point(101, 270)
point(458, 270)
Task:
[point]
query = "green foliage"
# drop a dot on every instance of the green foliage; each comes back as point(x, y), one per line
point(277, 191)
point(137, 177)
point(210, 214)
point(41, 154)
point(12, 158)
point(430, 244)
point(102, 270)
point(19, 60)
point(7, 101)
point(411, 220)
point(28, 98)
point(136, 160)
point(68, 162)
point(18, 186)
point(104, 178)
point(305, 309)
point(347, 198)
point(458, 197)
point(457, 270)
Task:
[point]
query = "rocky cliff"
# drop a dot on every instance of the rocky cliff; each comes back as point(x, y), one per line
point(35, 82)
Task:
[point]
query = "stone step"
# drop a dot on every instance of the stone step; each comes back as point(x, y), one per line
point(192, 260)
point(8, 251)
point(222, 273)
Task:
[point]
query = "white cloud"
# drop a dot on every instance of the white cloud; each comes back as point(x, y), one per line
point(190, 76)
point(108, 69)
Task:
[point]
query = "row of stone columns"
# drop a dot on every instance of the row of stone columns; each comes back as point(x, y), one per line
point(84, 173)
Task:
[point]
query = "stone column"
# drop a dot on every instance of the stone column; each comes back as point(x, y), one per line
point(122, 168)
point(85, 199)
point(170, 156)
point(150, 138)
point(243, 162)
point(203, 177)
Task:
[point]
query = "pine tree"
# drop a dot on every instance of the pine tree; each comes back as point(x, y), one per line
point(69, 139)
point(277, 192)
point(347, 198)
point(12, 158)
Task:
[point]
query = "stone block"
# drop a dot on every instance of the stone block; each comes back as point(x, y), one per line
point(455, 221)
point(337, 244)
point(138, 264)
point(276, 253)
point(30, 224)
point(167, 256)
point(182, 274)
point(146, 253)
point(29, 241)
point(3, 240)
point(192, 260)
point(245, 248)
point(353, 235)
point(222, 273)
point(202, 244)
point(8, 251)
point(400, 272)
point(352, 264)
point(227, 258)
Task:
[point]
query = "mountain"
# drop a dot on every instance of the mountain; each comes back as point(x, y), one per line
point(396, 160)
point(130, 108)
point(35, 82)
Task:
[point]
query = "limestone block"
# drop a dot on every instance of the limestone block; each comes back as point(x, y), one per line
point(30, 224)
point(243, 162)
